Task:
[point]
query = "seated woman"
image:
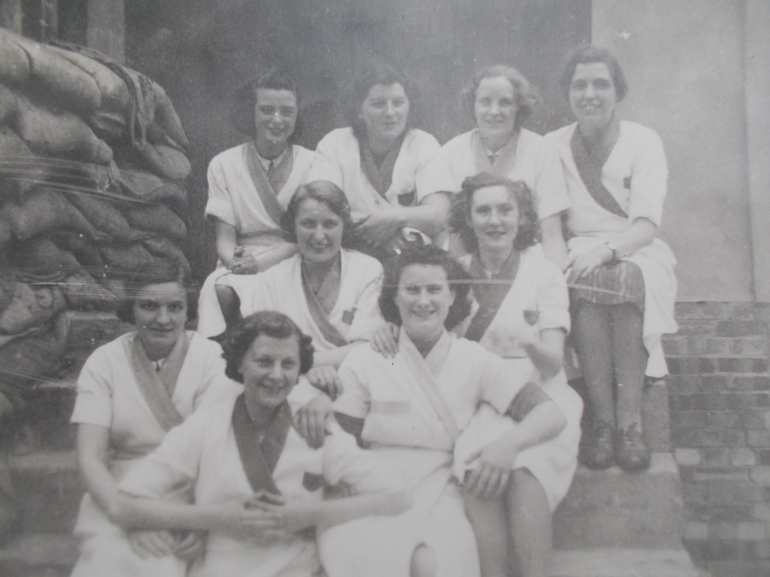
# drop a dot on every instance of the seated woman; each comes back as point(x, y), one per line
point(328, 290)
point(623, 303)
point(378, 160)
point(131, 392)
point(500, 99)
point(249, 188)
point(412, 408)
point(258, 485)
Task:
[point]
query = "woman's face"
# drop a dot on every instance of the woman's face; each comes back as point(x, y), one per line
point(385, 111)
point(494, 217)
point(592, 94)
point(319, 231)
point(160, 313)
point(275, 115)
point(423, 299)
point(270, 369)
point(495, 107)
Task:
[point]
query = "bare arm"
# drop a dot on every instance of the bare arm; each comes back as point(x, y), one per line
point(334, 358)
point(227, 242)
point(92, 446)
point(554, 247)
point(547, 352)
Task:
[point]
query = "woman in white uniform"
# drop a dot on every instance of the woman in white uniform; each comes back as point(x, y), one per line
point(249, 188)
point(378, 162)
point(623, 303)
point(500, 99)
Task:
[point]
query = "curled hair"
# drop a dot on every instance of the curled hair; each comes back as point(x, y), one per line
point(242, 112)
point(525, 95)
point(426, 255)
point(239, 339)
point(460, 212)
point(156, 271)
point(588, 54)
point(326, 193)
point(371, 75)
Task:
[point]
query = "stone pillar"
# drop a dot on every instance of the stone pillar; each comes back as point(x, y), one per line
point(107, 28)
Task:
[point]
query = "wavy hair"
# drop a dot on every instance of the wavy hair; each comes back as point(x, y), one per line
point(326, 193)
point(587, 54)
point(157, 271)
point(242, 111)
point(525, 94)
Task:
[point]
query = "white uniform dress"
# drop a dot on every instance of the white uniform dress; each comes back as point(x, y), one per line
point(110, 396)
point(204, 451)
point(539, 286)
point(355, 314)
point(234, 200)
point(635, 174)
point(338, 160)
point(414, 409)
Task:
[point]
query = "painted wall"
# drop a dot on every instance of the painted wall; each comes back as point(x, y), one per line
point(684, 61)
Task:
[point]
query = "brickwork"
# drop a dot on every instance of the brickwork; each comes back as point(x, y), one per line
point(719, 398)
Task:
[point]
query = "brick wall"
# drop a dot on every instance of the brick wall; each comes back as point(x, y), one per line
point(719, 397)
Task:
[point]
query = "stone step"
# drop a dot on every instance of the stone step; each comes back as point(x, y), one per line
point(613, 508)
point(39, 555)
point(624, 563)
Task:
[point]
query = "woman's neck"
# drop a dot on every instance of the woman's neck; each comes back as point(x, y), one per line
point(317, 272)
point(494, 142)
point(425, 343)
point(493, 260)
point(380, 146)
point(259, 413)
point(596, 133)
point(155, 352)
point(268, 149)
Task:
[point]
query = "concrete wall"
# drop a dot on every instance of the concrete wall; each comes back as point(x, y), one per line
point(684, 61)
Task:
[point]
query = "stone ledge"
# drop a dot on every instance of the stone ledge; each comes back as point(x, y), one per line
point(624, 563)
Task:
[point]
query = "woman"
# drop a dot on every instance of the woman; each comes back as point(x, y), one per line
point(258, 485)
point(131, 392)
point(616, 176)
point(499, 99)
point(328, 290)
point(249, 188)
point(378, 161)
point(411, 409)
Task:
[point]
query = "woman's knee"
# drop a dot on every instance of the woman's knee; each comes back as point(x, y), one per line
point(424, 563)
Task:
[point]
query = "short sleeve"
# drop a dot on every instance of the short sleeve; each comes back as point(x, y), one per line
point(551, 186)
point(367, 317)
point(355, 399)
point(436, 176)
point(427, 150)
point(93, 405)
point(649, 179)
point(217, 387)
point(220, 204)
point(553, 299)
point(174, 463)
point(325, 164)
point(499, 385)
point(345, 462)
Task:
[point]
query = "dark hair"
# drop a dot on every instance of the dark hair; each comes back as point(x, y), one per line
point(525, 94)
point(587, 54)
point(239, 339)
point(426, 255)
point(326, 193)
point(156, 271)
point(462, 202)
point(242, 112)
point(372, 74)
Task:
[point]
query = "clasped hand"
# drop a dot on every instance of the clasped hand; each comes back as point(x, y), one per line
point(243, 263)
point(377, 228)
point(267, 518)
point(582, 260)
point(489, 479)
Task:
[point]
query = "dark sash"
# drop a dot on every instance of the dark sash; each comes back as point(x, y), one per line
point(268, 189)
point(320, 317)
point(589, 165)
point(504, 160)
point(259, 459)
point(157, 387)
point(489, 293)
point(381, 177)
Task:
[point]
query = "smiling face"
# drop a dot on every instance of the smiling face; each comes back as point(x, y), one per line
point(384, 112)
point(494, 218)
point(495, 108)
point(270, 369)
point(319, 231)
point(275, 115)
point(423, 299)
point(592, 95)
point(160, 313)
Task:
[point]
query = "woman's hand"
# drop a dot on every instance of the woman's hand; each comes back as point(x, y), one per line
point(288, 516)
point(191, 546)
point(379, 227)
point(517, 334)
point(243, 263)
point(326, 379)
point(151, 544)
point(582, 261)
point(310, 420)
point(493, 470)
point(385, 340)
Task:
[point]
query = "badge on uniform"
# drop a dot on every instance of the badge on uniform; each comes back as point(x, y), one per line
point(347, 316)
point(312, 481)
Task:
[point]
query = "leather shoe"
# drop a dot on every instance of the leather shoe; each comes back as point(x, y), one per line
point(631, 450)
point(598, 453)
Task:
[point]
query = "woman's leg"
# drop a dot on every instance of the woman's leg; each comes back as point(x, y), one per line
point(529, 521)
point(230, 305)
point(424, 563)
point(592, 332)
point(489, 523)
